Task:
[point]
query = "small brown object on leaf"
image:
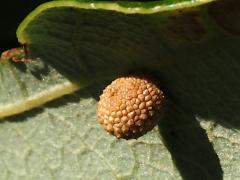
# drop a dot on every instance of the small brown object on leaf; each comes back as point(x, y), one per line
point(15, 54)
point(130, 106)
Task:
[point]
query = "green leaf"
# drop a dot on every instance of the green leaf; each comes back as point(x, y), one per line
point(191, 48)
point(95, 41)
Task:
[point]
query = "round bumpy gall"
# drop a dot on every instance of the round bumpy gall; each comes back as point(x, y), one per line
point(129, 105)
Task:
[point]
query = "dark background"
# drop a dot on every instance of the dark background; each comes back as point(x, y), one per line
point(11, 14)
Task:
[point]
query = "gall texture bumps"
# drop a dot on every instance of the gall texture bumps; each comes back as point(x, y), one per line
point(129, 105)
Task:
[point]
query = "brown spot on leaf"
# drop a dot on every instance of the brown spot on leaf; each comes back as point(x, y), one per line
point(15, 54)
point(227, 15)
point(184, 26)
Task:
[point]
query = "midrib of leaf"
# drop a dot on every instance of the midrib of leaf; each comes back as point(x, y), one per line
point(38, 99)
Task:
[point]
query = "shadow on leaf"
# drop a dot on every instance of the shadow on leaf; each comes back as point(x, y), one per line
point(189, 146)
point(24, 116)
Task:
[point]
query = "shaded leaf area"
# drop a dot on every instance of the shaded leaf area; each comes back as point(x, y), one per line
point(194, 58)
point(191, 151)
point(10, 23)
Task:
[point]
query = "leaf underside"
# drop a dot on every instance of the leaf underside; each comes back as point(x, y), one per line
point(192, 52)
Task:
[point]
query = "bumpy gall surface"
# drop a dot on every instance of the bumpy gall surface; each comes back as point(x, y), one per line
point(129, 106)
